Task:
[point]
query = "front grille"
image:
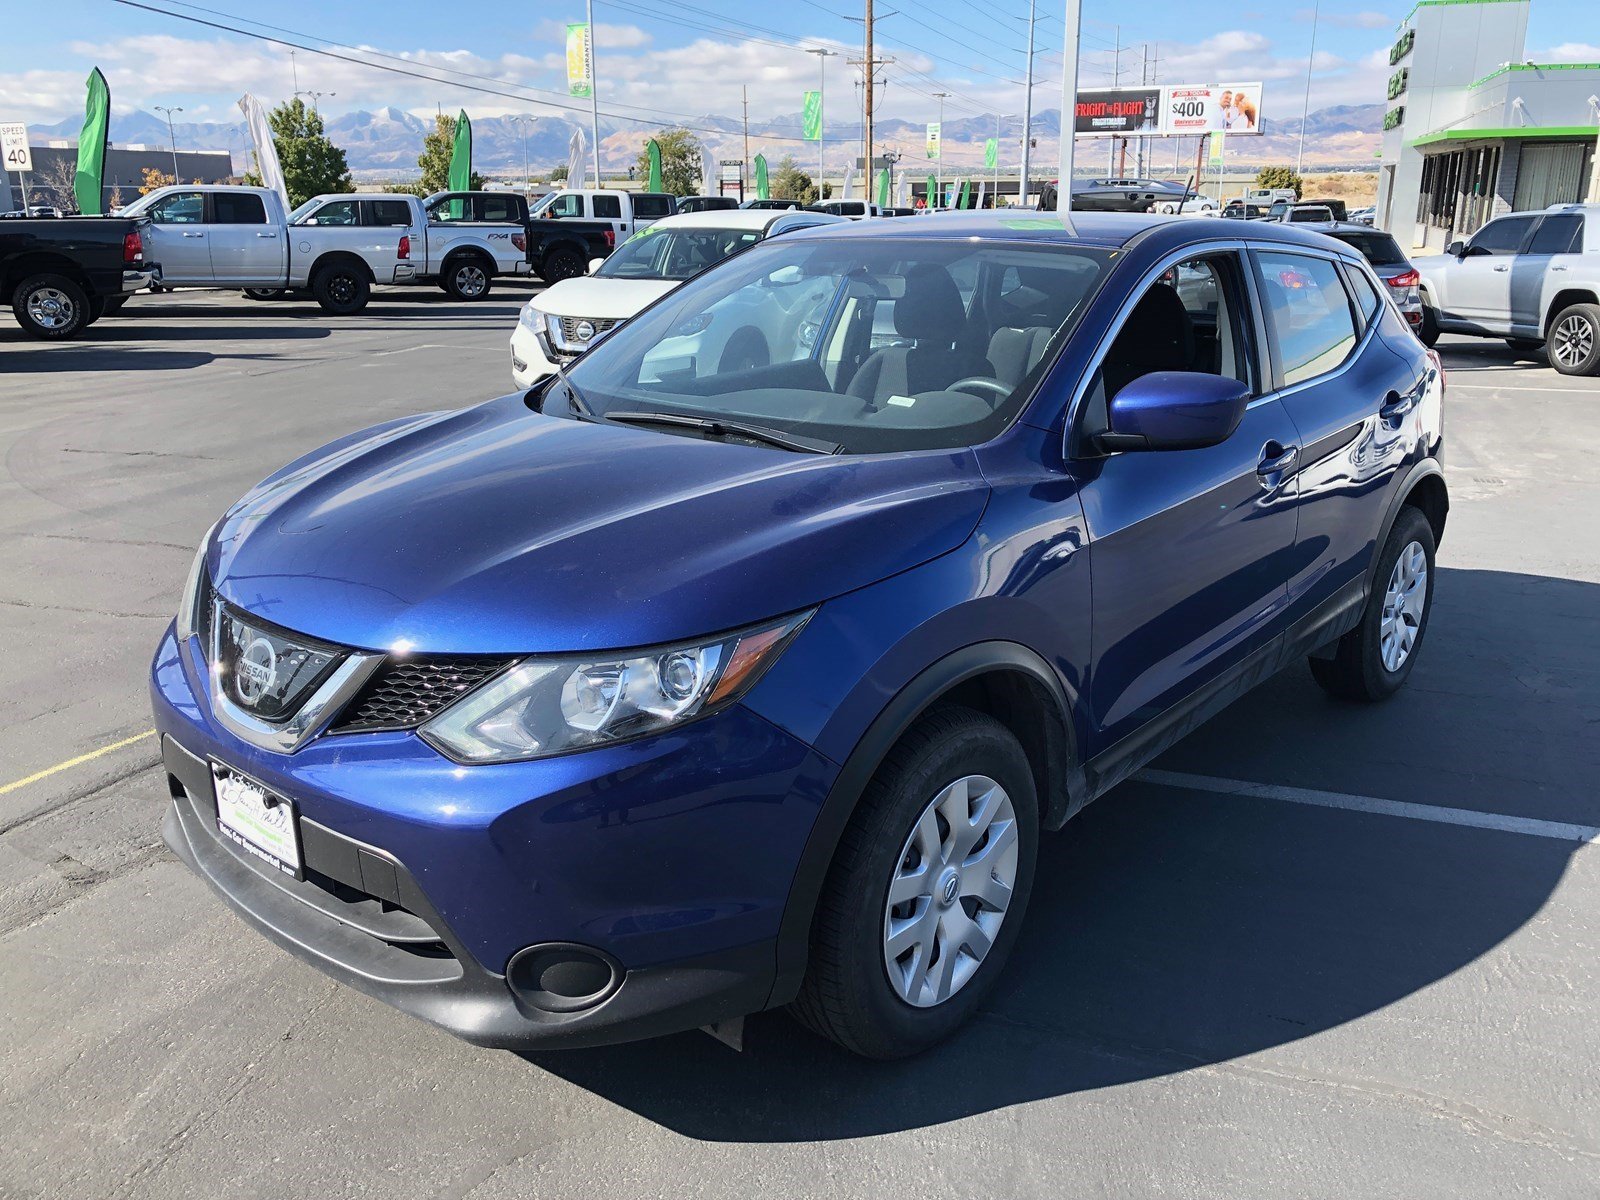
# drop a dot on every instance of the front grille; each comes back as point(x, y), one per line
point(403, 693)
point(569, 329)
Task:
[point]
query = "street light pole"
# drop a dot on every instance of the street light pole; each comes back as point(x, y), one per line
point(1073, 23)
point(522, 123)
point(1305, 109)
point(315, 96)
point(1027, 116)
point(594, 90)
point(172, 137)
point(938, 163)
point(822, 95)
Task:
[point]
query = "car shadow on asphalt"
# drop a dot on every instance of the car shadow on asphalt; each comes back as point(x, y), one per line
point(1171, 930)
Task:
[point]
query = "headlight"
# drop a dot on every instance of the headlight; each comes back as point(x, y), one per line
point(189, 602)
point(529, 318)
point(546, 706)
point(552, 327)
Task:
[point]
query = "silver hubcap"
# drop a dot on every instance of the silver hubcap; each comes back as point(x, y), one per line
point(51, 308)
point(950, 891)
point(1403, 603)
point(1574, 341)
point(470, 280)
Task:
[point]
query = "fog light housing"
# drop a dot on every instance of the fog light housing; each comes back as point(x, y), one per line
point(563, 977)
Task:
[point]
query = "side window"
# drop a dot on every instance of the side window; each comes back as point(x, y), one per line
point(1309, 311)
point(608, 208)
point(1367, 299)
point(388, 212)
point(500, 209)
point(238, 208)
point(180, 208)
point(567, 204)
point(455, 208)
point(1500, 237)
point(338, 212)
point(1561, 234)
point(648, 208)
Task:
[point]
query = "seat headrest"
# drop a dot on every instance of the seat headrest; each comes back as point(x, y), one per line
point(1159, 330)
point(931, 308)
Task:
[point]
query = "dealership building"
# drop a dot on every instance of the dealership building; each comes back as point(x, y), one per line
point(50, 181)
point(1473, 130)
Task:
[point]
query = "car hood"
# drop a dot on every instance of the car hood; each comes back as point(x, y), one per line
point(589, 297)
point(499, 530)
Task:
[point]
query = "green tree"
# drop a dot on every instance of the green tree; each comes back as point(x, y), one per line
point(434, 160)
point(680, 161)
point(789, 182)
point(312, 165)
point(559, 174)
point(1280, 177)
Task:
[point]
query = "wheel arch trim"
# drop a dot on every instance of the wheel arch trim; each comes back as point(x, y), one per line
point(1428, 468)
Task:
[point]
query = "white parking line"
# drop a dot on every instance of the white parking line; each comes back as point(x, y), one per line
point(1561, 831)
point(1452, 386)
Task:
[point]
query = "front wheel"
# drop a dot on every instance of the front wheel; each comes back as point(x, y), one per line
point(341, 289)
point(1574, 344)
point(467, 279)
point(1374, 659)
point(927, 889)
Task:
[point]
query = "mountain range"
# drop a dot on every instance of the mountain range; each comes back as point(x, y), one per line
point(385, 144)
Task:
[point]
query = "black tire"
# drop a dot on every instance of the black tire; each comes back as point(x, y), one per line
point(561, 264)
point(97, 309)
point(746, 350)
point(1357, 671)
point(847, 995)
point(1428, 332)
point(468, 277)
point(1525, 345)
point(1574, 342)
point(341, 289)
point(50, 307)
point(265, 294)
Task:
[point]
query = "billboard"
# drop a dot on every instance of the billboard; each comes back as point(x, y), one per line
point(1173, 110)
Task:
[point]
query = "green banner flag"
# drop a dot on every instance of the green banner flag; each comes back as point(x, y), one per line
point(933, 192)
point(652, 150)
point(580, 61)
point(86, 184)
point(461, 162)
point(762, 191)
point(811, 122)
point(883, 188)
point(991, 154)
point(965, 199)
point(934, 134)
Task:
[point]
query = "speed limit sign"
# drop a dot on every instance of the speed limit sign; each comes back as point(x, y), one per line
point(14, 152)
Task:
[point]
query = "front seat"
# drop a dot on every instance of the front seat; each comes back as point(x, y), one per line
point(931, 314)
point(1158, 336)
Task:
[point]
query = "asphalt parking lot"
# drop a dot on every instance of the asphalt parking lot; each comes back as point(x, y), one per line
point(1320, 950)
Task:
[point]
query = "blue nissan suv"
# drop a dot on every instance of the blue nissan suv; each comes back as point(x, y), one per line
point(673, 690)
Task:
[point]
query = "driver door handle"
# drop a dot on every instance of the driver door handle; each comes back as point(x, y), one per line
point(1277, 458)
point(186, 233)
point(1502, 269)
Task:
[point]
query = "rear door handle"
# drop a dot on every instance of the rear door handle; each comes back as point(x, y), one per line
point(186, 233)
point(267, 235)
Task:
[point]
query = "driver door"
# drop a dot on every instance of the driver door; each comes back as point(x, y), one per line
point(178, 238)
point(1480, 283)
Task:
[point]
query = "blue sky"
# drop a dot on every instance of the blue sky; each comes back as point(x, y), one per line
point(687, 59)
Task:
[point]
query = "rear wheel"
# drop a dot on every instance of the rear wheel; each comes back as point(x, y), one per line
point(927, 889)
point(1428, 332)
point(1574, 343)
point(50, 307)
point(1374, 659)
point(467, 278)
point(561, 264)
point(341, 289)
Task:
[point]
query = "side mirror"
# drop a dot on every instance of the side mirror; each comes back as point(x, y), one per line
point(1175, 410)
point(1456, 249)
point(594, 264)
point(309, 221)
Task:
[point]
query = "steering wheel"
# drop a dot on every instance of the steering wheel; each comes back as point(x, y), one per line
point(982, 382)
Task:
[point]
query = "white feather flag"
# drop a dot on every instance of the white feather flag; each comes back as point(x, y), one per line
point(267, 165)
point(577, 162)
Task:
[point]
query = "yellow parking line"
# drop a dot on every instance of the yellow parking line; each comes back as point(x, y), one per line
point(73, 762)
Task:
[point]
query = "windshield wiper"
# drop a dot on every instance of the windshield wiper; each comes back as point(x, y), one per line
point(717, 427)
point(575, 401)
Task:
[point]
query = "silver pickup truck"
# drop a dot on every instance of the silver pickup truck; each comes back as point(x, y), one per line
point(1532, 278)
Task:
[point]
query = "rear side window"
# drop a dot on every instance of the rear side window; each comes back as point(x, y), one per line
point(1309, 311)
point(1501, 237)
point(236, 208)
point(651, 207)
point(1379, 249)
point(1561, 234)
point(1367, 299)
point(498, 208)
point(608, 208)
point(388, 212)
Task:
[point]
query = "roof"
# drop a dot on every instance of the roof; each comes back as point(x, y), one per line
point(723, 218)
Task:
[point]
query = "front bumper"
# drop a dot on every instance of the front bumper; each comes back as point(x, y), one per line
point(528, 362)
point(671, 857)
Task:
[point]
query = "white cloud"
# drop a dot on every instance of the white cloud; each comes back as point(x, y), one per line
point(1571, 52)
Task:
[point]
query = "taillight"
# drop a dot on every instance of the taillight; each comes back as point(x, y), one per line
point(132, 247)
point(520, 241)
point(405, 246)
point(1408, 279)
point(611, 239)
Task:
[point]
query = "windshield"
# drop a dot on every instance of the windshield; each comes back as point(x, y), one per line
point(657, 253)
point(304, 209)
point(872, 344)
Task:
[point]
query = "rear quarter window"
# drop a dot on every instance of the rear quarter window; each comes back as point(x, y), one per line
point(1309, 311)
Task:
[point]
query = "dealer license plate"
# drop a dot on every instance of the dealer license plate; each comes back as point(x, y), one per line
point(255, 820)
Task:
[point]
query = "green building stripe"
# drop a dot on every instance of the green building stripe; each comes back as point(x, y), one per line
point(1533, 67)
point(1519, 132)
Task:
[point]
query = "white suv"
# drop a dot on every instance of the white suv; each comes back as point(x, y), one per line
point(1532, 278)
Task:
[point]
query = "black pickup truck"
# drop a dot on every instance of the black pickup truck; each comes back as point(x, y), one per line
point(61, 274)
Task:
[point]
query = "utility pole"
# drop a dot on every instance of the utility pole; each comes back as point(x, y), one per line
point(1305, 108)
point(522, 123)
point(938, 163)
point(1116, 81)
point(1067, 119)
point(1072, 22)
point(594, 90)
point(1144, 79)
point(822, 94)
point(173, 137)
point(871, 70)
point(744, 90)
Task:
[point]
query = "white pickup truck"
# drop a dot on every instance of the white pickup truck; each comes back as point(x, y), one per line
point(627, 212)
point(1532, 278)
point(337, 246)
